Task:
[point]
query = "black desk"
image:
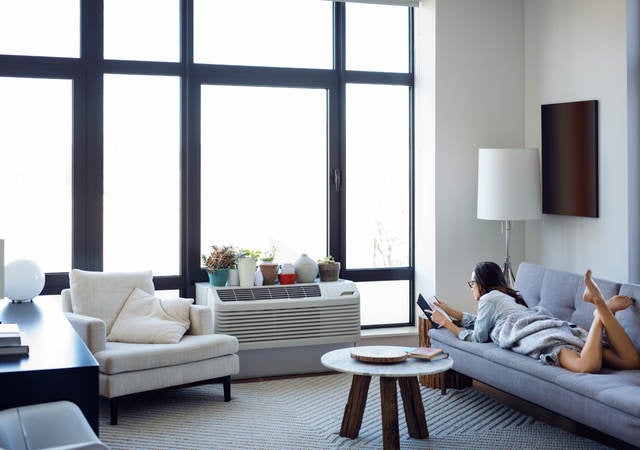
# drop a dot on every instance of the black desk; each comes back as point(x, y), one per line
point(59, 365)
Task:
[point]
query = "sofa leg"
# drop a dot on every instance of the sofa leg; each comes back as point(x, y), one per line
point(226, 384)
point(113, 407)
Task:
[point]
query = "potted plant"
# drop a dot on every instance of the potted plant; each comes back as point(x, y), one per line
point(268, 267)
point(247, 260)
point(218, 262)
point(329, 269)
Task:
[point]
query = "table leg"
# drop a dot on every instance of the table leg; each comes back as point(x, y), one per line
point(413, 407)
point(389, 405)
point(354, 410)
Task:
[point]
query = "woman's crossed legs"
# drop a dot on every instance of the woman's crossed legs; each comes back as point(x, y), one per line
point(621, 354)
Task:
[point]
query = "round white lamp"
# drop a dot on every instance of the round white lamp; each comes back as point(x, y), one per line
point(23, 280)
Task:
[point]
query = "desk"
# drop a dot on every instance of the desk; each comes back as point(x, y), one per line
point(59, 365)
point(405, 373)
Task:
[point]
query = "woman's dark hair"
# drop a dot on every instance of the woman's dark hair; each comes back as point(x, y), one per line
point(489, 277)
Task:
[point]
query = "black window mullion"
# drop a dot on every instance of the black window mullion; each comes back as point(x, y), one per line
point(88, 183)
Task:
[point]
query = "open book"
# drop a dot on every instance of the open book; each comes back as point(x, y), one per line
point(428, 353)
point(429, 305)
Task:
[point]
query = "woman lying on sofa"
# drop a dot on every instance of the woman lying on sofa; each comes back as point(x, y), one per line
point(504, 318)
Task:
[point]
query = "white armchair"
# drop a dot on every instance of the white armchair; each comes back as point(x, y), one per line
point(92, 304)
point(54, 426)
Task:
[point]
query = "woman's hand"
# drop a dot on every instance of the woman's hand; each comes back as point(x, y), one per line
point(453, 313)
point(438, 318)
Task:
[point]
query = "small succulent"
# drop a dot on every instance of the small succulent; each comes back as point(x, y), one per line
point(327, 260)
point(248, 253)
point(269, 255)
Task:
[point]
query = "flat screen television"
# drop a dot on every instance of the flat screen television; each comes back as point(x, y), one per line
point(570, 158)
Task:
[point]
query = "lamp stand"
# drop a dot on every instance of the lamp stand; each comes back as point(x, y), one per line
point(506, 270)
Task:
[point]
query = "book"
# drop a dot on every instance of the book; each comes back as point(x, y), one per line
point(433, 304)
point(427, 353)
point(22, 349)
point(9, 334)
point(9, 329)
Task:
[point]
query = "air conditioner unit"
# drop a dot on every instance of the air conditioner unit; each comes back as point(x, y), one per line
point(285, 315)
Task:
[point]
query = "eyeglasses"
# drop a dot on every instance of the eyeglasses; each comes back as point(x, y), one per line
point(471, 283)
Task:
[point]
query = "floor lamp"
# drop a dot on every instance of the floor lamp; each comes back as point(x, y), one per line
point(508, 189)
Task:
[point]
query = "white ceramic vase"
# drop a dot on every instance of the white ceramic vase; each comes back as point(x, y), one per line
point(234, 278)
point(246, 271)
point(306, 269)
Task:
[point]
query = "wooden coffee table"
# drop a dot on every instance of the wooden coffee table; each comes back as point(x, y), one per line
point(405, 373)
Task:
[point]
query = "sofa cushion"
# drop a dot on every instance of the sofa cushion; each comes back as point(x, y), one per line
point(124, 357)
point(630, 317)
point(102, 294)
point(146, 319)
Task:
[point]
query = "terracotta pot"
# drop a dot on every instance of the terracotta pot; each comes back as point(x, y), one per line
point(269, 273)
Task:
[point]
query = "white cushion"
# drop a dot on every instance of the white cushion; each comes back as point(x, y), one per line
point(145, 319)
point(102, 294)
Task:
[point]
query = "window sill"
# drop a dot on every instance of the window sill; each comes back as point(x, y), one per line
point(389, 332)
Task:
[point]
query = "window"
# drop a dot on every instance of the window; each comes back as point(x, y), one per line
point(35, 170)
point(142, 173)
point(40, 27)
point(282, 33)
point(264, 186)
point(284, 123)
point(132, 32)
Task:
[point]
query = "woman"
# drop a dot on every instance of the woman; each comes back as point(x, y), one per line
point(503, 317)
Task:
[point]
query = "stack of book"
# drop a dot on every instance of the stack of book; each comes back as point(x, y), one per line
point(12, 340)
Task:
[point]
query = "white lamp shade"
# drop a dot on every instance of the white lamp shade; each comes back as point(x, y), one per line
point(23, 280)
point(509, 184)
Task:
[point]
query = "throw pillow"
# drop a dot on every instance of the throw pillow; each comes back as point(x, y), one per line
point(145, 319)
point(102, 294)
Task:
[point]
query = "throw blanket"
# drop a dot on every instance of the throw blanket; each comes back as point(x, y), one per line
point(535, 333)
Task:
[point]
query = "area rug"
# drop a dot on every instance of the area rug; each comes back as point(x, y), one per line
point(306, 413)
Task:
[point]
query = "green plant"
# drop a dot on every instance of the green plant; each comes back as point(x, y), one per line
point(269, 255)
point(221, 257)
point(248, 253)
point(327, 260)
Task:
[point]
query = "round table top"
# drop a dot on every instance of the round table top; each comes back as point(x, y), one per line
point(342, 361)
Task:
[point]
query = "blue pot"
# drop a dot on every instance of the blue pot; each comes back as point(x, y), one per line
point(218, 277)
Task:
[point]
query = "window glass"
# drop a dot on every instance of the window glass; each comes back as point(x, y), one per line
point(36, 124)
point(132, 32)
point(377, 38)
point(377, 190)
point(384, 302)
point(264, 169)
point(282, 33)
point(142, 173)
point(40, 27)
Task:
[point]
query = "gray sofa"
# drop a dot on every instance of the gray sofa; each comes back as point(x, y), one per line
point(608, 401)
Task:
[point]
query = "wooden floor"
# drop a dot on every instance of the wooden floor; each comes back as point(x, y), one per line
point(541, 414)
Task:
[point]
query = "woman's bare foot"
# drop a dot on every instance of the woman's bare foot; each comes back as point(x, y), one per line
point(592, 292)
point(619, 302)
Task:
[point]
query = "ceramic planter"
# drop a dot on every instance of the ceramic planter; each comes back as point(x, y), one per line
point(246, 271)
point(329, 271)
point(269, 273)
point(218, 277)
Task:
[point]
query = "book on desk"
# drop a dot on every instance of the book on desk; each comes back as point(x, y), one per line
point(12, 340)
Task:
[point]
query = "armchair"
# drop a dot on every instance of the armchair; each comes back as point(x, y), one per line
point(92, 304)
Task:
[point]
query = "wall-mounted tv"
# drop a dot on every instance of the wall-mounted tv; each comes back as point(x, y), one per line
point(570, 158)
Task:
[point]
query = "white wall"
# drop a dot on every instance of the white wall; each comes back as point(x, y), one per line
point(576, 50)
point(469, 94)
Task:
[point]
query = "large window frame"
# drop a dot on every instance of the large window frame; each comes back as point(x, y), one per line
point(87, 74)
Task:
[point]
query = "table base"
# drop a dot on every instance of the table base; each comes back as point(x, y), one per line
point(411, 401)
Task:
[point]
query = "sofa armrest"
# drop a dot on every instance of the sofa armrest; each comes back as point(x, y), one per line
point(201, 320)
point(92, 331)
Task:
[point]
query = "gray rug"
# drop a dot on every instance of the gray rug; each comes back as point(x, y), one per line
point(306, 413)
